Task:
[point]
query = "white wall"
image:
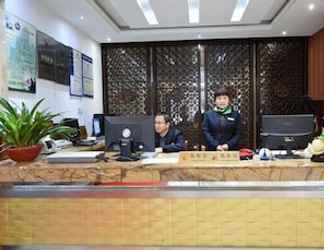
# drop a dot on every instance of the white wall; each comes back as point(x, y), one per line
point(57, 97)
point(3, 64)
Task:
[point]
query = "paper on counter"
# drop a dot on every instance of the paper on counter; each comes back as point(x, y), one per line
point(157, 161)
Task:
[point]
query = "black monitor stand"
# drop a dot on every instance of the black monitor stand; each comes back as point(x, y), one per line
point(289, 155)
point(127, 151)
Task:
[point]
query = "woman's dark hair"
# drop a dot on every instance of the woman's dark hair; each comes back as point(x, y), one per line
point(223, 91)
point(166, 117)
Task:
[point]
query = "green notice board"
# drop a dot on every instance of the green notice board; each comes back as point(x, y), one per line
point(21, 52)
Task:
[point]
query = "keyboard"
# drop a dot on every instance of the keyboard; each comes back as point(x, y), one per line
point(148, 155)
point(87, 142)
point(287, 157)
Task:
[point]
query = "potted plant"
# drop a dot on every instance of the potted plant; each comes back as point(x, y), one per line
point(3, 149)
point(22, 129)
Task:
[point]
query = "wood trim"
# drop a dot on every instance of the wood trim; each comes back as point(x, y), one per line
point(316, 66)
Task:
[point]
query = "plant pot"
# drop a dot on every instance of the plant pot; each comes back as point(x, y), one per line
point(24, 153)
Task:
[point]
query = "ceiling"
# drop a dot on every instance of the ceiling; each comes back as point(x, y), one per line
point(174, 13)
point(123, 20)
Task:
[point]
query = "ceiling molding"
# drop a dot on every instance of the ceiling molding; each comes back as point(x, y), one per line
point(108, 19)
point(285, 6)
point(282, 11)
point(193, 28)
point(200, 29)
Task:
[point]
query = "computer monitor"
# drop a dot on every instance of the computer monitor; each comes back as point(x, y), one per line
point(72, 123)
point(98, 125)
point(131, 134)
point(287, 132)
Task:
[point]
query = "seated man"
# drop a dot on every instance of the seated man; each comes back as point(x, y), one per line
point(167, 138)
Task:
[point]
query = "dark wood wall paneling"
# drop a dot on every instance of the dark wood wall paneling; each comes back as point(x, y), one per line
point(230, 64)
point(316, 66)
point(316, 74)
point(281, 71)
point(179, 78)
point(126, 74)
point(177, 72)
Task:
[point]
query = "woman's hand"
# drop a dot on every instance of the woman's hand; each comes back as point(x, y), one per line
point(223, 147)
point(158, 150)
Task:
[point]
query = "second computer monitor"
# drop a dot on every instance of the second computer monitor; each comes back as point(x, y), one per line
point(98, 125)
point(287, 131)
point(139, 129)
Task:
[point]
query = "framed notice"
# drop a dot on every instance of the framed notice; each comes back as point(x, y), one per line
point(62, 64)
point(76, 73)
point(46, 51)
point(21, 51)
point(87, 76)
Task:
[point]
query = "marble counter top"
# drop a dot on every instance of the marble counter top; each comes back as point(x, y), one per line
point(114, 171)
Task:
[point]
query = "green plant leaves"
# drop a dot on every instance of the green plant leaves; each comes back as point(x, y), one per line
point(21, 127)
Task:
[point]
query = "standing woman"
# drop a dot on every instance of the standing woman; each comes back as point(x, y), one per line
point(221, 126)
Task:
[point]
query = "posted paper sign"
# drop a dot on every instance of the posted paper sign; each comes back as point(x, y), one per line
point(87, 76)
point(76, 74)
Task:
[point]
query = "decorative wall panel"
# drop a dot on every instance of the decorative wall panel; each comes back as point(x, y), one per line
point(126, 73)
point(267, 76)
point(281, 75)
point(178, 90)
point(229, 63)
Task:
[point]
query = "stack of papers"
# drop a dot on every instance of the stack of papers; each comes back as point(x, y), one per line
point(76, 157)
point(156, 161)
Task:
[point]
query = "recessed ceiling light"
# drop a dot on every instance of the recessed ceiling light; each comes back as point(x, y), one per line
point(239, 10)
point(148, 11)
point(193, 6)
point(108, 39)
point(284, 33)
point(311, 6)
point(81, 17)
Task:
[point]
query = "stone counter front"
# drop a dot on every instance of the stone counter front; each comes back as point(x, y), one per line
point(113, 171)
point(206, 218)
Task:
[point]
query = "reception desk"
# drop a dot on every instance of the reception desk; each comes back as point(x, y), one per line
point(113, 171)
point(223, 204)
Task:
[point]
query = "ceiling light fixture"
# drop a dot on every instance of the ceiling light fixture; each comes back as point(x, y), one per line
point(311, 6)
point(193, 6)
point(81, 17)
point(148, 11)
point(284, 33)
point(239, 10)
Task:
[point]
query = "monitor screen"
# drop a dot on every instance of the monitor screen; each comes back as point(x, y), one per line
point(287, 131)
point(72, 123)
point(98, 124)
point(140, 129)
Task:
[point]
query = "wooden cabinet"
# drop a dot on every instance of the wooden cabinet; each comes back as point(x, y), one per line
point(316, 66)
